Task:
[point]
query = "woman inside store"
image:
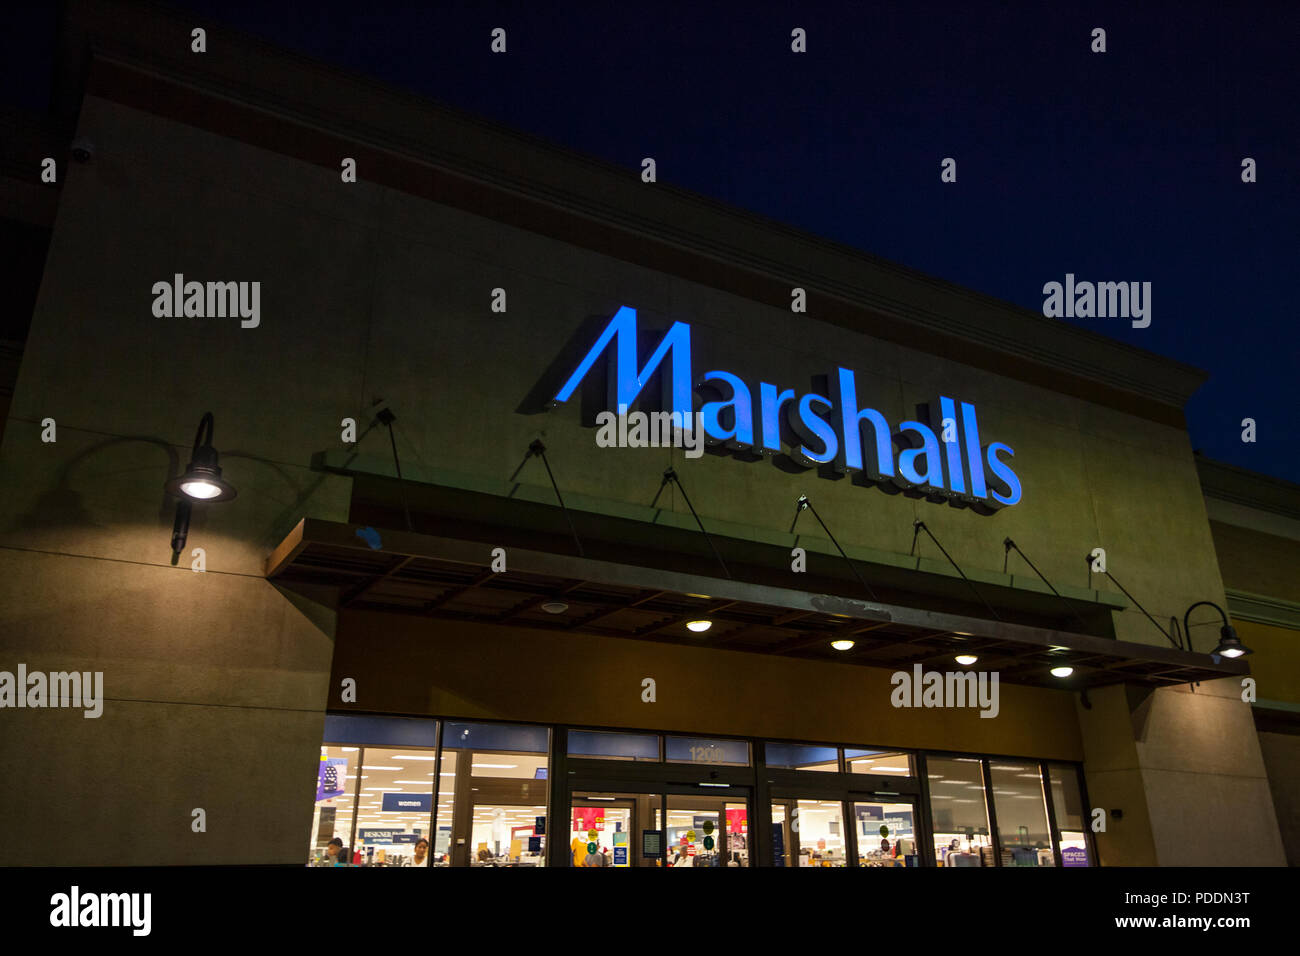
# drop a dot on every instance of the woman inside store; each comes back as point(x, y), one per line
point(421, 853)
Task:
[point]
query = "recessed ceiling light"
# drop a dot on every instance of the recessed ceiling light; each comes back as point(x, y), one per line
point(966, 659)
point(841, 645)
point(1062, 671)
point(699, 627)
point(555, 607)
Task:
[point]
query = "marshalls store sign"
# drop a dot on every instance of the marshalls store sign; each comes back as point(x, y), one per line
point(943, 459)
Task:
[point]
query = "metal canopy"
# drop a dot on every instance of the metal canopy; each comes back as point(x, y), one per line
point(451, 579)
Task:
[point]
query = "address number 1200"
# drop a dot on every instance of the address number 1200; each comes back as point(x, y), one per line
point(706, 755)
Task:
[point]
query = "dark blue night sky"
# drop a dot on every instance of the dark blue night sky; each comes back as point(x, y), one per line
point(1117, 166)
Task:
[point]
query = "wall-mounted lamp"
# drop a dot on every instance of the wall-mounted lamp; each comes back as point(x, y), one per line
point(201, 481)
point(1229, 644)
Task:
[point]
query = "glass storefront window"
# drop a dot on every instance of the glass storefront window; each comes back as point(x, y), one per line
point(374, 791)
point(517, 737)
point(380, 731)
point(506, 835)
point(707, 831)
point(500, 763)
point(1021, 811)
point(602, 745)
point(392, 798)
point(336, 781)
point(498, 775)
point(890, 762)
point(1067, 806)
point(605, 829)
point(808, 833)
point(446, 809)
point(886, 834)
point(959, 812)
point(707, 750)
point(802, 757)
point(394, 805)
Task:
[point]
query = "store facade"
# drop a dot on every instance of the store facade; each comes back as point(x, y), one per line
point(499, 634)
point(1255, 520)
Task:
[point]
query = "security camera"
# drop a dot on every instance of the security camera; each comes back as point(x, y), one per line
point(83, 150)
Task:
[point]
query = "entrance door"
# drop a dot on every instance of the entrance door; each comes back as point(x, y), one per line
point(624, 829)
point(808, 832)
point(886, 832)
point(608, 829)
point(708, 831)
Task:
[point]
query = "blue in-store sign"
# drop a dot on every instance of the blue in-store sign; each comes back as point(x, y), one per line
point(620, 856)
point(900, 824)
point(534, 844)
point(408, 802)
point(386, 836)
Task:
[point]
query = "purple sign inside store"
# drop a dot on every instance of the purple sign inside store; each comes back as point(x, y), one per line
point(1074, 856)
point(333, 778)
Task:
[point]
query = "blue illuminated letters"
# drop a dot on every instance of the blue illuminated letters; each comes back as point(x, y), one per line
point(942, 459)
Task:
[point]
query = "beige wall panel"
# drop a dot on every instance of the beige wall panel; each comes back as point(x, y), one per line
point(409, 665)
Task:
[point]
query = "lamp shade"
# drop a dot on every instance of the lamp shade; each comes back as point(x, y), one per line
point(1230, 644)
point(201, 480)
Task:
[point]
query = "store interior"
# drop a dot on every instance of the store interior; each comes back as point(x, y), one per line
point(487, 806)
point(625, 830)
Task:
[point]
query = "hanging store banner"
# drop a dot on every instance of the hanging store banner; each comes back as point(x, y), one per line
point(332, 780)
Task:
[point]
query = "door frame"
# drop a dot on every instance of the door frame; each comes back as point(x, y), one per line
point(622, 802)
point(840, 790)
point(580, 783)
